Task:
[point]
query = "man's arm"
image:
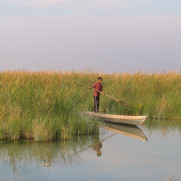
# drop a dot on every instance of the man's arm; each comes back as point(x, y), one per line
point(93, 86)
point(101, 90)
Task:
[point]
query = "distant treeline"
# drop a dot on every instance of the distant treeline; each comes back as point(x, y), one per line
point(46, 106)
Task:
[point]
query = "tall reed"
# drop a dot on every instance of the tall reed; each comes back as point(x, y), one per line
point(46, 105)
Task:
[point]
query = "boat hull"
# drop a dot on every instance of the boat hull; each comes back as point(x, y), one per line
point(120, 119)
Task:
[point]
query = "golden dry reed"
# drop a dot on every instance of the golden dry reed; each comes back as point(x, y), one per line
point(46, 106)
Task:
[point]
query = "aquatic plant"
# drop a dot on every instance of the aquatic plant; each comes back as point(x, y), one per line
point(46, 106)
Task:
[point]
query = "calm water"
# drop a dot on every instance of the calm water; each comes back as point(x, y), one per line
point(117, 153)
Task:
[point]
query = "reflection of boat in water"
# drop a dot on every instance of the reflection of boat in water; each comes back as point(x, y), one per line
point(127, 130)
point(123, 119)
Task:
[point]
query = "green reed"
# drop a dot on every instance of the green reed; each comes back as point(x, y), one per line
point(46, 106)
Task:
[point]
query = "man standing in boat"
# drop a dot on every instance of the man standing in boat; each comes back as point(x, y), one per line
point(97, 89)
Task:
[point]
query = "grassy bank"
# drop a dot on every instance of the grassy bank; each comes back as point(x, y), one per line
point(45, 106)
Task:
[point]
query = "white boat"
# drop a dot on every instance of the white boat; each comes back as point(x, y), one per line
point(123, 119)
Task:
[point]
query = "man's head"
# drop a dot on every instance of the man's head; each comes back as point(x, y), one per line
point(99, 79)
point(99, 153)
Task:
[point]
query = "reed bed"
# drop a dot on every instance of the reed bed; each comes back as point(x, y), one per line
point(46, 106)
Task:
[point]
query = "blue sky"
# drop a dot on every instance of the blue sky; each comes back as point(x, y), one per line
point(103, 35)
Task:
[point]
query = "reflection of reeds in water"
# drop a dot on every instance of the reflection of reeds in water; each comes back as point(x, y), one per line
point(45, 106)
point(171, 178)
point(62, 153)
point(162, 126)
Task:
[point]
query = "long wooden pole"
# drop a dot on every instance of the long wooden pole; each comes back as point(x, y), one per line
point(105, 94)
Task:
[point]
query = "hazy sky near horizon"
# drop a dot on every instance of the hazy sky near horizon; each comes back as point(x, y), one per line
point(102, 35)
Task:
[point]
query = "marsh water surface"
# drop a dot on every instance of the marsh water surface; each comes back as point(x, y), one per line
point(151, 152)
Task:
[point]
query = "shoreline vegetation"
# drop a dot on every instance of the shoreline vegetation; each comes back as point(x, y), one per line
point(46, 106)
